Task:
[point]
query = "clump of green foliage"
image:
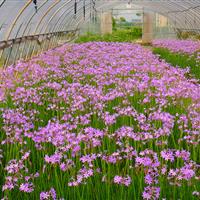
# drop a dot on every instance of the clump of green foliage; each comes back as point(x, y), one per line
point(187, 35)
point(181, 60)
point(114, 24)
point(120, 35)
point(1, 62)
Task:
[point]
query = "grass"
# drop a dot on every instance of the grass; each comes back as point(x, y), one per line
point(119, 35)
point(181, 60)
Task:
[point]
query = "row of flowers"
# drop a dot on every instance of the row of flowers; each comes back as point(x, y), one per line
point(179, 46)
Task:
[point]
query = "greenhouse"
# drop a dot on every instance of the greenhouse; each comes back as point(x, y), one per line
point(99, 99)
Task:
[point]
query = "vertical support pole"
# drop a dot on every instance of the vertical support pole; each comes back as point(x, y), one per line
point(84, 9)
point(175, 19)
point(1, 50)
point(106, 22)
point(75, 7)
point(168, 25)
point(147, 35)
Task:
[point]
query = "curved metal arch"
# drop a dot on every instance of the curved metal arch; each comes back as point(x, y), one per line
point(82, 17)
point(186, 13)
point(87, 19)
point(45, 14)
point(74, 20)
point(185, 19)
point(16, 19)
point(30, 19)
point(2, 3)
point(160, 9)
point(54, 41)
point(54, 15)
point(71, 19)
point(79, 14)
point(179, 15)
point(60, 20)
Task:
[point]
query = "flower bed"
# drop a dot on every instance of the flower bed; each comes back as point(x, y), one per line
point(178, 46)
point(99, 121)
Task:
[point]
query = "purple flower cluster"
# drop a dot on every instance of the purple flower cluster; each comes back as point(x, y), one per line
point(51, 194)
point(122, 180)
point(18, 175)
point(179, 46)
point(105, 110)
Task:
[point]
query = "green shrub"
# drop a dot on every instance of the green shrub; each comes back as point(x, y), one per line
point(187, 35)
point(113, 23)
point(120, 35)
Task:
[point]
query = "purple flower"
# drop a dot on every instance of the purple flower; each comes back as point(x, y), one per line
point(26, 187)
point(151, 192)
point(167, 155)
point(118, 179)
point(44, 195)
point(51, 194)
point(122, 180)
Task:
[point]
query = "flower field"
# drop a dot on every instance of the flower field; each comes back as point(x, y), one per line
point(99, 121)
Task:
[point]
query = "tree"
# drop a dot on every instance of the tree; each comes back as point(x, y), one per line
point(122, 19)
